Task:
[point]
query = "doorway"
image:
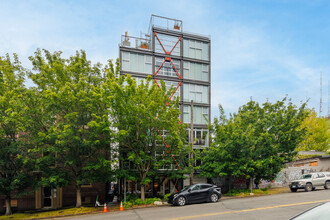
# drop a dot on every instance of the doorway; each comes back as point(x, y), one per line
point(47, 197)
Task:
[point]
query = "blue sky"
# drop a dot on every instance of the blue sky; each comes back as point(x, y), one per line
point(260, 49)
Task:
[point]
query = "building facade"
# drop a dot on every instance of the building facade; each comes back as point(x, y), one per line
point(183, 61)
point(47, 198)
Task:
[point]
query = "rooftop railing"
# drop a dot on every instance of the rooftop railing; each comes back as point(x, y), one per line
point(135, 42)
point(164, 22)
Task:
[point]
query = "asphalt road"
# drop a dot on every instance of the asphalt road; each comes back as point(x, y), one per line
point(277, 207)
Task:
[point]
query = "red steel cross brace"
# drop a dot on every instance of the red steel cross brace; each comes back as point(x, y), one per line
point(179, 84)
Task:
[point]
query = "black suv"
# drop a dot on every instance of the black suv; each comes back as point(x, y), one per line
point(201, 192)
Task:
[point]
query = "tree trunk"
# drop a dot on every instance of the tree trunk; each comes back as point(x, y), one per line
point(78, 201)
point(142, 193)
point(230, 183)
point(8, 206)
point(251, 184)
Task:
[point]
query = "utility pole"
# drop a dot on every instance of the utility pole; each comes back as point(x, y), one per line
point(191, 175)
point(321, 94)
point(328, 99)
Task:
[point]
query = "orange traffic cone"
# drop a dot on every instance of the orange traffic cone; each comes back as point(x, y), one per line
point(105, 207)
point(121, 206)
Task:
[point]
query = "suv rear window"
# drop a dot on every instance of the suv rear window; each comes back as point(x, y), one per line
point(205, 186)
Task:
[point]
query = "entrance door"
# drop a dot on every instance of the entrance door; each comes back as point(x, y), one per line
point(47, 198)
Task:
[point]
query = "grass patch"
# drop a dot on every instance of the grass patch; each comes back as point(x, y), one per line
point(138, 202)
point(246, 192)
point(278, 190)
point(45, 214)
point(263, 191)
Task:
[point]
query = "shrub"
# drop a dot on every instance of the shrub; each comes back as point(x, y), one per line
point(139, 202)
point(127, 205)
point(131, 197)
point(166, 197)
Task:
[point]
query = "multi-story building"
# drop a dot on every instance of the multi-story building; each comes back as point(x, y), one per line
point(179, 58)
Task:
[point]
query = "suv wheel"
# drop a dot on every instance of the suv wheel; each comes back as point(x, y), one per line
point(327, 185)
point(181, 201)
point(214, 197)
point(308, 187)
point(293, 190)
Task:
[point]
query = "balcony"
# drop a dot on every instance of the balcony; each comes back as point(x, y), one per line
point(135, 42)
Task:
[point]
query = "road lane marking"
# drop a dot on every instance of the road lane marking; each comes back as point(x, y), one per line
point(247, 210)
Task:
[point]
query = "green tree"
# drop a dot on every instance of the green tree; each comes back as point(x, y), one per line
point(256, 142)
point(318, 135)
point(140, 112)
point(73, 130)
point(15, 166)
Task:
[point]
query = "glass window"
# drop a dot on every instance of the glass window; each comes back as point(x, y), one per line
point(201, 114)
point(205, 51)
point(201, 136)
point(197, 93)
point(196, 71)
point(206, 186)
point(205, 72)
point(186, 114)
point(135, 62)
point(196, 49)
point(197, 187)
point(167, 69)
point(169, 85)
point(168, 43)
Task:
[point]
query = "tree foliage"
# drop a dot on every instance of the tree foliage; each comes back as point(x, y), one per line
point(15, 165)
point(140, 112)
point(255, 142)
point(317, 135)
point(72, 129)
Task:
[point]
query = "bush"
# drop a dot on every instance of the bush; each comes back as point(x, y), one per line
point(264, 189)
point(139, 202)
point(127, 205)
point(131, 197)
point(166, 197)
